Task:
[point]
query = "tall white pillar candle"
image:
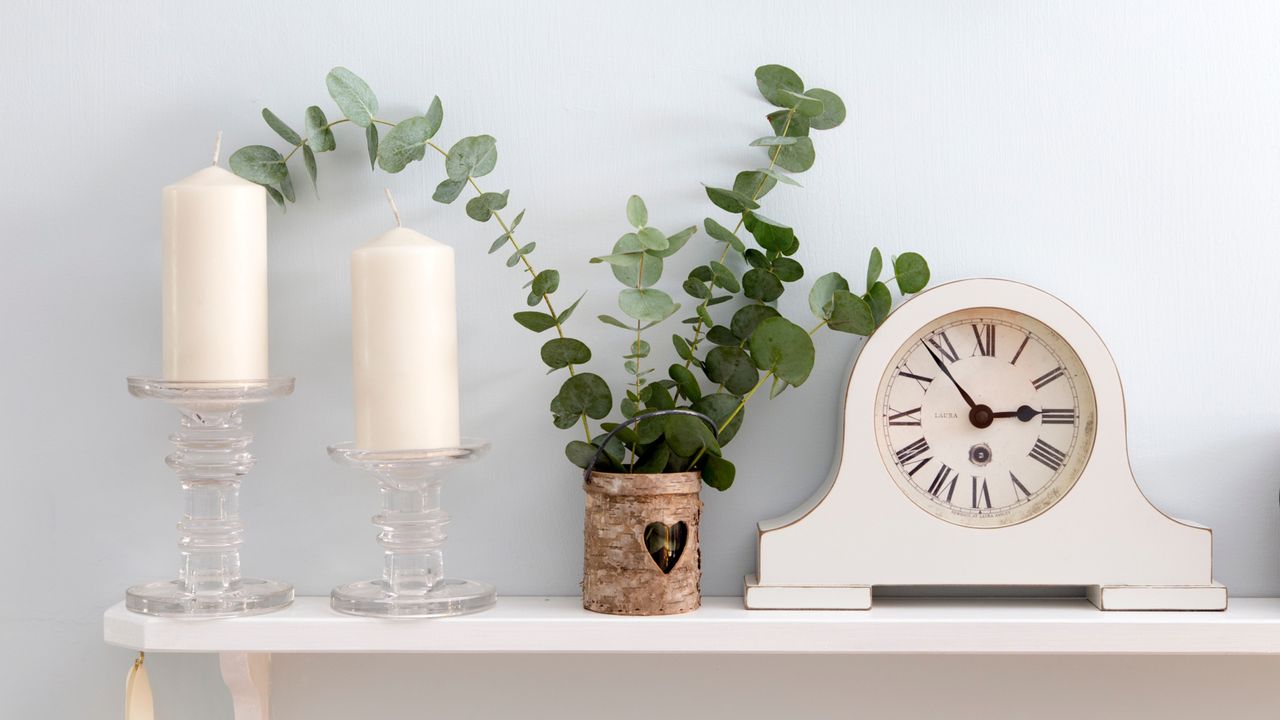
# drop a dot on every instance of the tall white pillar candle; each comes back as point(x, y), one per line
point(405, 343)
point(215, 278)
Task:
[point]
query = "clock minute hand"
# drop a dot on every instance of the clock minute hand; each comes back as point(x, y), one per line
point(942, 366)
point(1025, 413)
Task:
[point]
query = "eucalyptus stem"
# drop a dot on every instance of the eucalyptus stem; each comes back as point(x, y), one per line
point(742, 218)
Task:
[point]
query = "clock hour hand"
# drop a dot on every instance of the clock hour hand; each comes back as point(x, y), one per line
point(943, 367)
point(1025, 413)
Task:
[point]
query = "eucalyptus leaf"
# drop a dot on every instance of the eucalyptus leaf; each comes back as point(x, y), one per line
point(633, 268)
point(806, 105)
point(787, 270)
point(583, 393)
point(881, 302)
point(730, 200)
point(566, 313)
point(353, 96)
point(405, 143)
point(653, 460)
point(682, 347)
point(776, 82)
point(611, 320)
point(371, 142)
point(724, 278)
point(563, 352)
point(473, 156)
point(434, 116)
point(747, 318)
point(685, 382)
point(639, 349)
point(833, 110)
point(756, 259)
point(286, 188)
point(753, 183)
point(788, 124)
point(319, 135)
point(851, 314)
point(309, 160)
point(545, 282)
point(911, 271)
point(259, 163)
point(520, 253)
point(652, 239)
point(795, 158)
point(720, 407)
point(637, 213)
point(281, 127)
point(503, 239)
point(760, 284)
point(580, 453)
point(721, 335)
point(733, 368)
point(689, 435)
point(675, 242)
point(448, 191)
point(780, 177)
point(696, 289)
point(772, 141)
point(783, 347)
point(824, 289)
point(875, 266)
point(535, 321)
point(275, 196)
point(770, 234)
point(718, 472)
point(483, 206)
point(722, 234)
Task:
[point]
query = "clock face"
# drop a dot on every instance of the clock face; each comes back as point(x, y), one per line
point(985, 417)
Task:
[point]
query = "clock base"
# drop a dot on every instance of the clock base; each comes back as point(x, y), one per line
point(1106, 597)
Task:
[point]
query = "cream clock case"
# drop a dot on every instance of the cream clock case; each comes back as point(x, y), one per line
point(983, 444)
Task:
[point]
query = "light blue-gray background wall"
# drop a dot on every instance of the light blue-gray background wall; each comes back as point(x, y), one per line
point(1124, 156)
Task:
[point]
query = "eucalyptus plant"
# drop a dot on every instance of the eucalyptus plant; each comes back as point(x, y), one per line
point(755, 345)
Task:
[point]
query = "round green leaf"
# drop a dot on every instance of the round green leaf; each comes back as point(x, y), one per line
point(563, 352)
point(259, 163)
point(732, 367)
point(353, 96)
point(912, 272)
point(652, 239)
point(448, 191)
point(731, 200)
point(535, 321)
point(875, 265)
point(797, 127)
point(719, 407)
point(833, 111)
point(783, 347)
point(625, 265)
point(746, 319)
point(319, 135)
point(760, 284)
point(724, 278)
point(720, 233)
point(775, 80)
point(405, 143)
point(685, 382)
point(647, 305)
point(824, 289)
point(851, 314)
point(434, 116)
point(806, 105)
point(482, 206)
point(881, 301)
point(771, 234)
point(718, 472)
point(721, 335)
point(654, 459)
point(688, 435)
point(795, 158)
point(754, 183)
point(545, 283)
point(473, 156)
point(637, 213)
point(675, 242)
point(787, 270)
point(282, 129)
point(583, 393)
point(580, 452)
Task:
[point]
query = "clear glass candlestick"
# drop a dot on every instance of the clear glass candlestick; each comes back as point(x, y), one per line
point(412, 534)
point(211, 456)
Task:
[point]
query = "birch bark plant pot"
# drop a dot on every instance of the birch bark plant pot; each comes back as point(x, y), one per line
point(641, 543)
point(640, 540)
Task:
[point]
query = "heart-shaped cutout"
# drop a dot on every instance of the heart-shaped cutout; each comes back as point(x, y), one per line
point(666, 543)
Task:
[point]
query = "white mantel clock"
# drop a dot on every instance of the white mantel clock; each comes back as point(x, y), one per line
point(983, 445)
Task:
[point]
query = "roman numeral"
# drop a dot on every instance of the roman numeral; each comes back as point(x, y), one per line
point(986, 340)
point(1058, 416)
point(949, 351)
point(1021, 347)
point(1048, 455)
point(906, 417)
point(913, 451)
point(921, 380)
point(981, 494)
point(940, 481)
point(1048, 377)
point(1019, 487)
point(912, 472)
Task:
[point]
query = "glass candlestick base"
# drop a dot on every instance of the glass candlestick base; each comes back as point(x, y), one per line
point(211, 456)
point(412, 534)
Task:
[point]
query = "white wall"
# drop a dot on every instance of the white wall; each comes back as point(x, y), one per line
point(1125, 156)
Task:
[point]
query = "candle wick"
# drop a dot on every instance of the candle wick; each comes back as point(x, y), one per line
point(217, 147)
point(394, 210)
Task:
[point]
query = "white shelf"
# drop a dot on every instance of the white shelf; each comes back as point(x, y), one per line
point(560, 625)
